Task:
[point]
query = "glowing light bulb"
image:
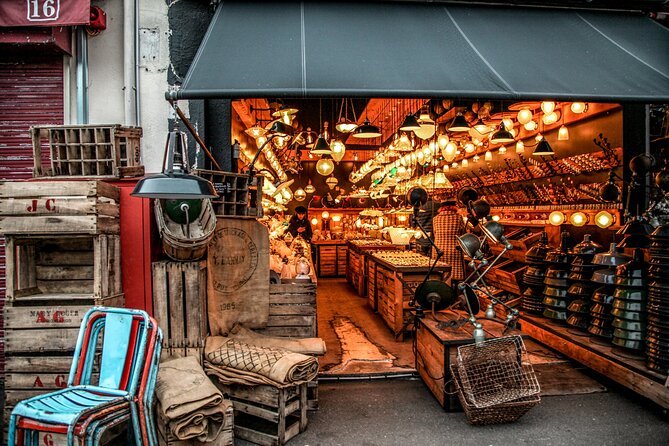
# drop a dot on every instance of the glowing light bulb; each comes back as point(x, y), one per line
point(469, 147)
point(531, 125)
point(556, 218)
point(604, 219)
point(442, 140)
point(563, 133)
point(325, 215)
point(549, 118)
point(524, 116)
point(548, 107)
point(488, 155)
point(539, 137)
point(502, 149)
point(579, 107)
point(314, 221)
point(520, 147)
point(465, 163)
point(508, 124)
point(578, 219)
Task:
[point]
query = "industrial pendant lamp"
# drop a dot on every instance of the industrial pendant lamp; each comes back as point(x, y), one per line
point(502, 135)
point(338, 149)
point(459, 124)
point(543, 148)
point(325, 165)
point(174, 182)
point(410, 123)
point(321, 147)
point(344, 124)
point(309, 188)
point(367, 130)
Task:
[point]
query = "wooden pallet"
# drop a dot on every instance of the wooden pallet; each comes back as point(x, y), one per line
point(267, 415)
point(48, 268)
point(180, 306)
point(238, 196)
point(88, 150)
point(292, 311)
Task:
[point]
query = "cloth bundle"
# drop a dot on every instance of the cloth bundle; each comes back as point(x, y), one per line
point(236, 362)
point(306, 346)
point(193, 405)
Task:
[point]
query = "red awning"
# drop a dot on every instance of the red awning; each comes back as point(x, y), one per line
point(44, 12)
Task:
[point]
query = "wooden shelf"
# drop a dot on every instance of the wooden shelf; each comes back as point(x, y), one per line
point(623, 368)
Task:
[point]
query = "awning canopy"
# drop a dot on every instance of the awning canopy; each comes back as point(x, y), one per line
point(255, 49)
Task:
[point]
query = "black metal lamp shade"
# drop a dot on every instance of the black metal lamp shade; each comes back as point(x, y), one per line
point(609, 191)
point(417, 196)
point(367, 130)
point(470, 245)
point(467, 194)
point(410, 123)
point(434, 293)
point(479, 209)
point(459, 124)
point(174, 185)
point(543, 148)
point(281, 129)
point(501, 136)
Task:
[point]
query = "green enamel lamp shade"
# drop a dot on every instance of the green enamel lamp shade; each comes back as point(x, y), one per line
point(182, 211)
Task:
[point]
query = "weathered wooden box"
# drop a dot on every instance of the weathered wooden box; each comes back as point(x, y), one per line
point(292, 310)
point(180, 306)
point(238, 195)
point(267, 415)
point(58, 207)
point(46, 269)
point(109, 150)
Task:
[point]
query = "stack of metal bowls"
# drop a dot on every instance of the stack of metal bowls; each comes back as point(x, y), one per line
point(534, 274)
point(580, 286)
point(657, 337)
point(556, 283)
point(601, 319)
point(629, 304)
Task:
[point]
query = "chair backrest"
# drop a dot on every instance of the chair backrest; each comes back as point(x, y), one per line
point(122, 348)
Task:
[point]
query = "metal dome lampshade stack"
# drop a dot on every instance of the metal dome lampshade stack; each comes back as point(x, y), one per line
point(630, 300)
point(601, 318)
point(657, 331)
point(556, 283)
point(534, 274)
point(580, 286)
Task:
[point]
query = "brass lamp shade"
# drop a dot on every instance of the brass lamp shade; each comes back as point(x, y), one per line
point(174, 185)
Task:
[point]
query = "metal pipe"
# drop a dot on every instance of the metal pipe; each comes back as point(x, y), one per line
point(82, 76)
point(129, 62)
point(138, 108)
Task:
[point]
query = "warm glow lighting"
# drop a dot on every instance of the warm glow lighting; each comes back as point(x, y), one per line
point(476, 158)
point(520, 147)
point(550, 118)
point(310, 189)
point(470, 147)
point(454, 165)
point(563, 133)
point(495, 218)
point(325, 215)
point(548, 107)
point(358, 223)
point(380, 222)
point(449, 151)
point(524, 116)
point(465, 163)
point(300, 194)
point(314, 221)
point(508, 123)
point(539, 137)
point(446, 168)
point(604, 219)
point(578, 219)
point(442, 140)
point(325, 166)
point(260, 140)
point(488, 155)
point(402, 218)
point(502, 149)
point(287, 194)
point(530, 126)
point(556, 218)
point(338, 149)
point(336, 218)
point(579, 107)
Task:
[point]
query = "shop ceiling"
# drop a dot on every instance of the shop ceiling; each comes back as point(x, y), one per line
point(429, 50)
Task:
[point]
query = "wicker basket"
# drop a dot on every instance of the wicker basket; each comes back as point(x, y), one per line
point(508, 412)
point(496, 371)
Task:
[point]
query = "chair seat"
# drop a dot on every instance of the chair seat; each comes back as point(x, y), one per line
point(68, 405)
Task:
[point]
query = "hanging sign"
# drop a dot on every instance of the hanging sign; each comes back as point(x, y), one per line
point(45, 12)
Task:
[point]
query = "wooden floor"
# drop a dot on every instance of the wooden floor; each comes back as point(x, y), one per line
point(359, 343)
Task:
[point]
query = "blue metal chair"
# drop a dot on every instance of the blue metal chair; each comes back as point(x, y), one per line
point(130, 352)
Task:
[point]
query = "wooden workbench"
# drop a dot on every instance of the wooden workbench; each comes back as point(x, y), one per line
point(437, 349)
point(605, 359)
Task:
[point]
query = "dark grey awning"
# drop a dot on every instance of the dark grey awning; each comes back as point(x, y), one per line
point(255, 49)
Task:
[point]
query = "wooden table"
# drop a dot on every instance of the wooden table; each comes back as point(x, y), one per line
point(394, 288)
point(356, 263)
point(330, 257)
point(437, 349)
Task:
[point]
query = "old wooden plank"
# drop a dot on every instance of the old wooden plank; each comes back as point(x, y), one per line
point(41, 340)
point(283, 310)
point(86, 188)
point(60, 224)
point(25, 266)
point(116, 272)
point(293, 288)
point(194, 313)
point(292, 299)
point(59, 258)
point(291, 320)
point(36, 380)
point(52, 316)
point(28, 207)
point(66, 287)
point(15, 364)
point(295, 332)
point(64, 272)
point(160, 296)
point(175, 300)
point(10, 268)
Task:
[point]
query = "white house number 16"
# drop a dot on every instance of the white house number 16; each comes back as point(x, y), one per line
point(43, 10)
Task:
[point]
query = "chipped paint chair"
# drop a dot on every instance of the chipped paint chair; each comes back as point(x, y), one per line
point(128, 344)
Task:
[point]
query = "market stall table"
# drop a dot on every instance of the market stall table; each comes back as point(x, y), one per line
point(437, 349)
point(356, 261)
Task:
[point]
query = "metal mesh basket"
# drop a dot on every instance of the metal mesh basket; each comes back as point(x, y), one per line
point(501, 413)
point(496, 371)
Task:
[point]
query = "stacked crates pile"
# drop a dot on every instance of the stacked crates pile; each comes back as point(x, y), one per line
point(63, 257)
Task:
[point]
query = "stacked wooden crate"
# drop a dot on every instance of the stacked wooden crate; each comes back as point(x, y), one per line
point(63, 257)
point(180, 306)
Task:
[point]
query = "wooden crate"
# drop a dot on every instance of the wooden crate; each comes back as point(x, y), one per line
point(237, 195)
point(88, 150)
point(180, 306)
point(292, 310)
point(85, 268)
point(267, 415)
point(507, 276)
point(225, 437)
point(370, 274)
point(58, 207)
point(312, 394)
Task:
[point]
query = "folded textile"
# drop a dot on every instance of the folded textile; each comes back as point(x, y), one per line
point(236, 362)
point(306, 346)
point(193, 405)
